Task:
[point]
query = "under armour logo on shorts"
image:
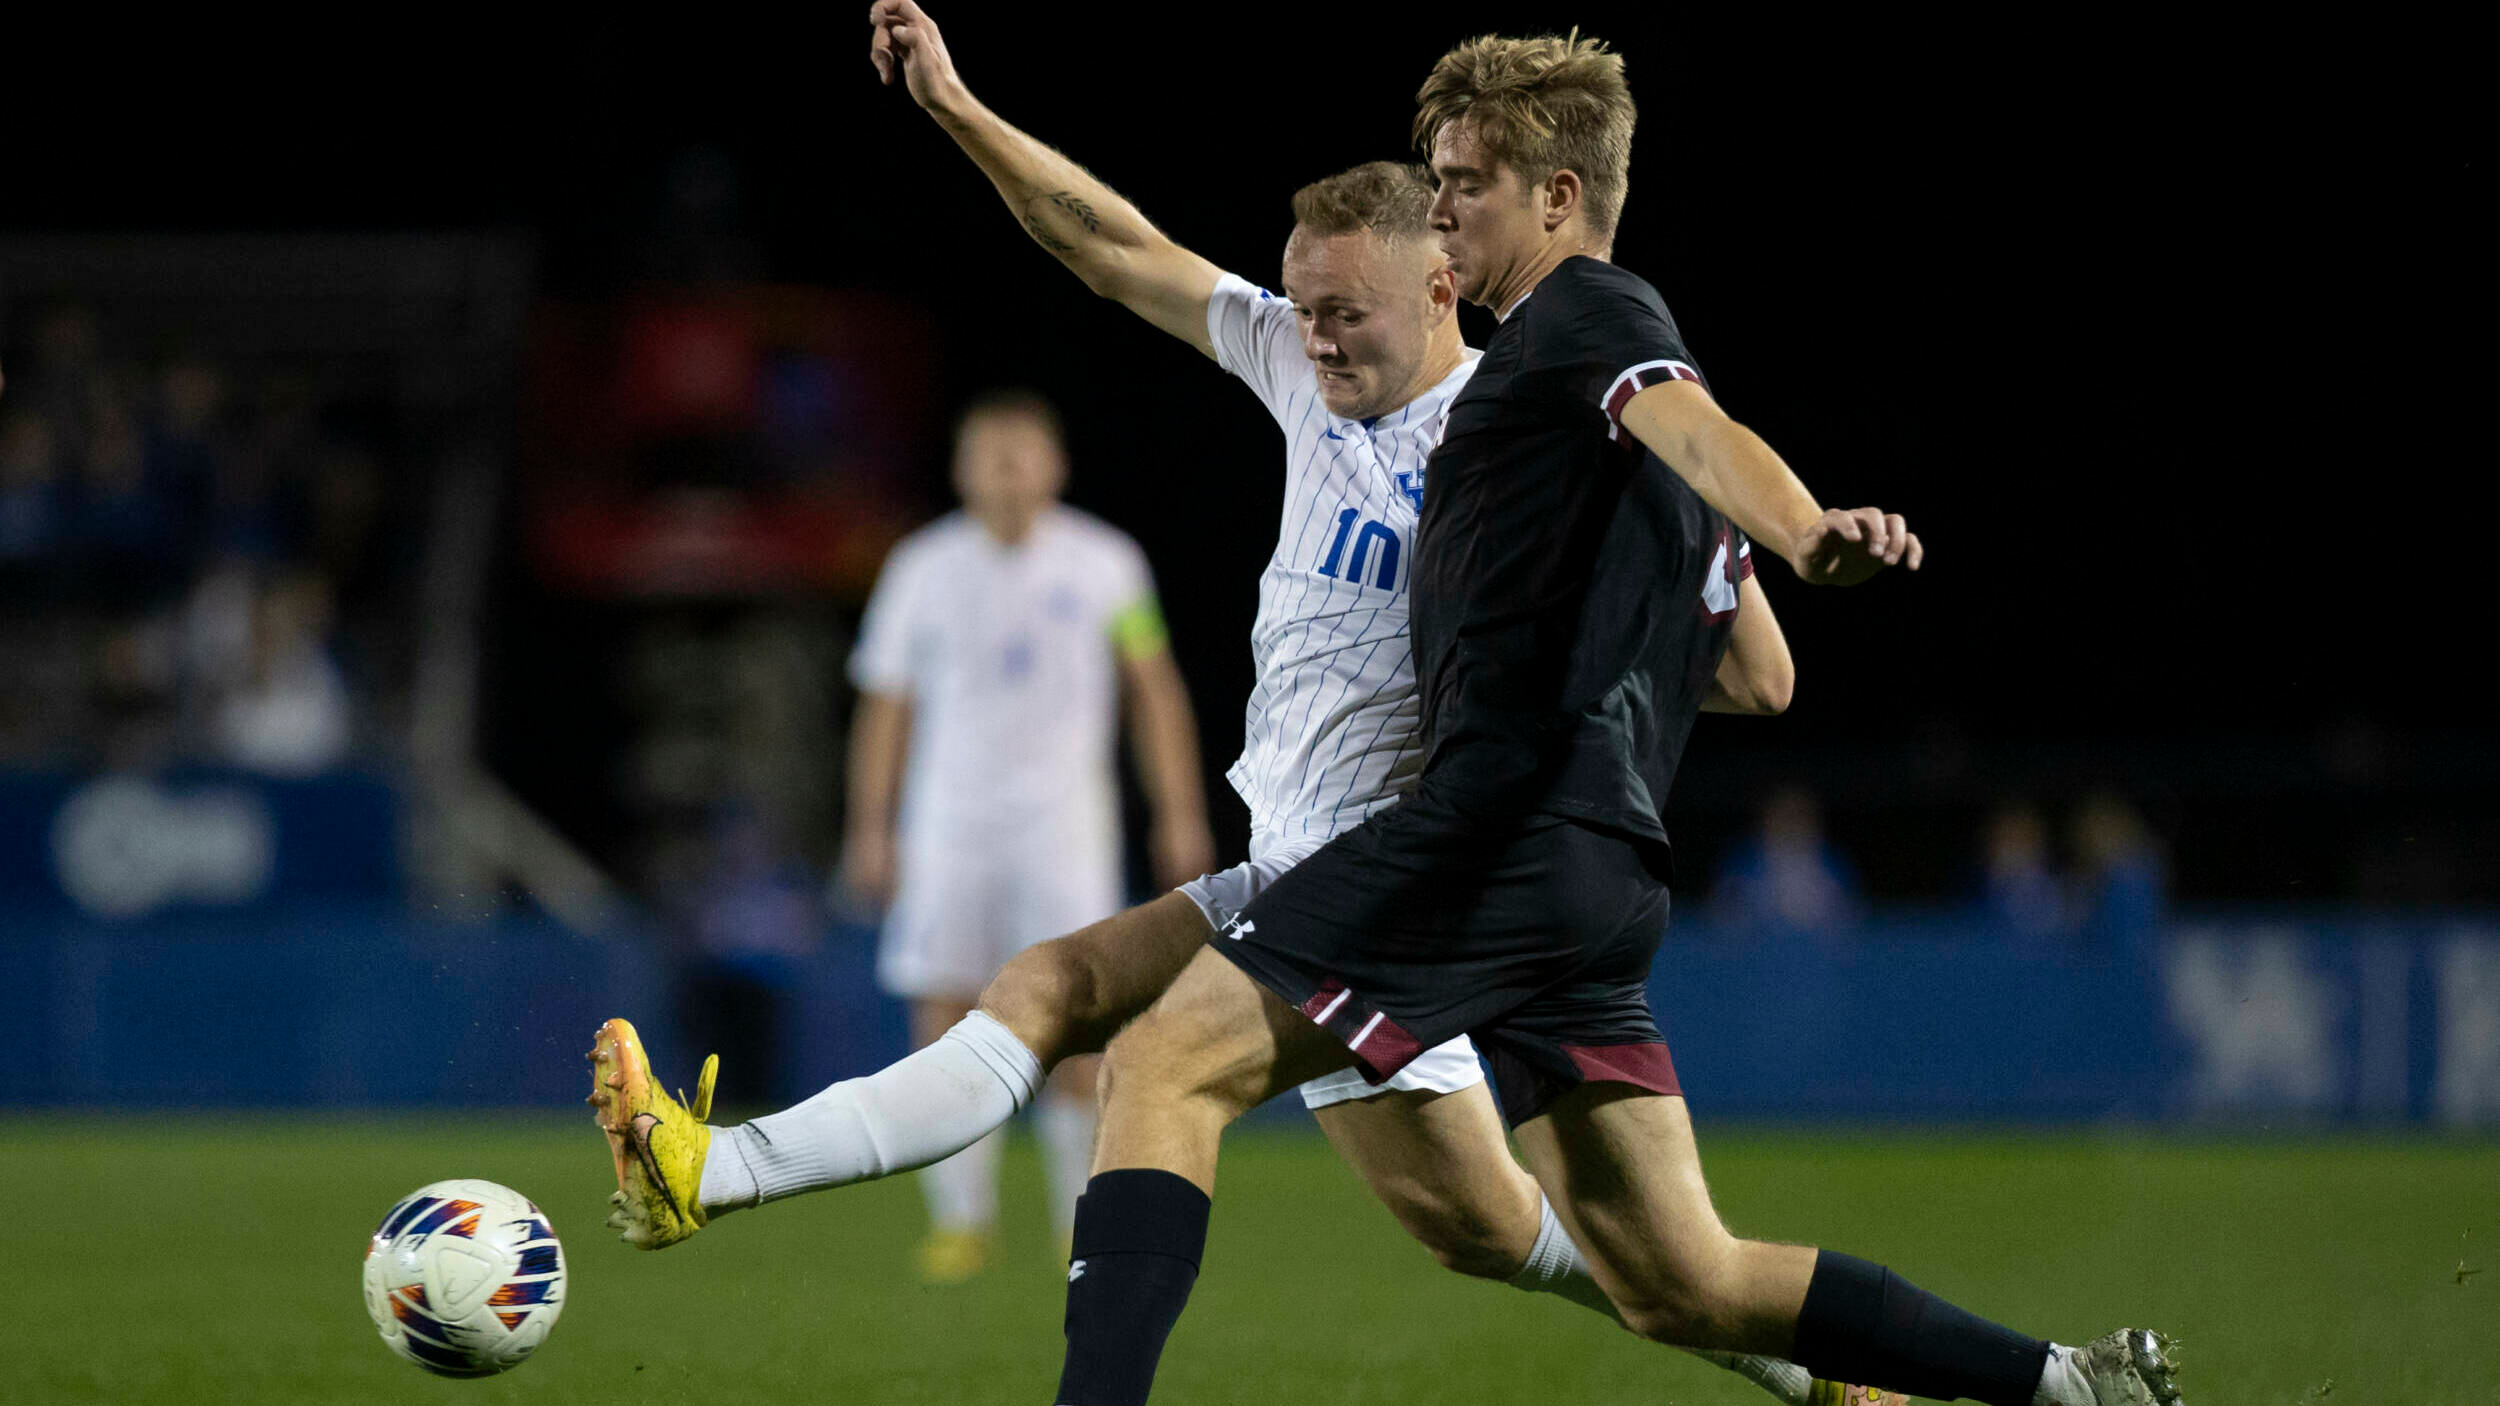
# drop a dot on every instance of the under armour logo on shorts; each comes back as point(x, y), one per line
point(1240, 928)
point(1076, 1271)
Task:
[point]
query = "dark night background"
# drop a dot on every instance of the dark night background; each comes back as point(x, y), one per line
point(2154, 335)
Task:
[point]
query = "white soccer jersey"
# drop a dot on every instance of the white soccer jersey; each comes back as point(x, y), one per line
point(1009, 658)
point(1333, 729)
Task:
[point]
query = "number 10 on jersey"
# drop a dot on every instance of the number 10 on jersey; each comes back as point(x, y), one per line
point(1384, 562)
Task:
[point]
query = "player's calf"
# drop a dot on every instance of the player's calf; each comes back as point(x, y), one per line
point(1440, 1164)
point(1462, 1237)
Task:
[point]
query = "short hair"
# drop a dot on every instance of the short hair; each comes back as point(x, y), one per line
point(1539, 106)
point(1009, 400)
point(1389, 199)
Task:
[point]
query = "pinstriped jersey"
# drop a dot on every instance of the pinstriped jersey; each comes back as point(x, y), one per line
point(1333, 728)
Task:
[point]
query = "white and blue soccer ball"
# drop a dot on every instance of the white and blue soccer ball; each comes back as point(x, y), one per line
point(464, 1278)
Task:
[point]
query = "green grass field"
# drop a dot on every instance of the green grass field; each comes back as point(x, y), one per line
point(216, 1259)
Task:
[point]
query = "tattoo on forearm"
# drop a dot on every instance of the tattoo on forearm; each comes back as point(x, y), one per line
point(1042, 236)
point(1083, 212)
point(1057, 208)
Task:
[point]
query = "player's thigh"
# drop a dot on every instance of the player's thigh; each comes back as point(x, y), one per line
point(1442, 1165)
point(1075, 992)
point(1219, 1035)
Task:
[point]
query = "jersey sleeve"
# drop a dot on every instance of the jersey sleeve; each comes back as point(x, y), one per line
point(1255, 338)
point(882, 660)
point(1611, 341)
point(1744, 554)
point(1136, 617)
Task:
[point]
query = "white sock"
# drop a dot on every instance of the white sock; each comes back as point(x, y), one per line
point(923, 1107)
point(1066, 1129)
point(1555, 1267)
point(2062, 1381)
point(962, 1191)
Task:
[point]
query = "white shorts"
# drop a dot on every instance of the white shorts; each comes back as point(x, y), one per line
point(1445, 1068)
point(963, 910)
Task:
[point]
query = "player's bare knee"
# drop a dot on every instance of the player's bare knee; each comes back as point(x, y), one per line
point(1080, 989)
point(1046, 994)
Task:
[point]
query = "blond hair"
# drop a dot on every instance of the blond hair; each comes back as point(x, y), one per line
point(1389, 199)
point(1539, 106)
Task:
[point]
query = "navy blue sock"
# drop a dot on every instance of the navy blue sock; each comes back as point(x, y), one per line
point(1139, 1233)
point(1862, 1323)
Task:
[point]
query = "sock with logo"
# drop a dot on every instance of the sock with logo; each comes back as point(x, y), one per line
point(1139, 1235)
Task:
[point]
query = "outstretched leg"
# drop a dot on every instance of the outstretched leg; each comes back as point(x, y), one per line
point(1056, 999)
point(1441, 1163)
point(1622, 1170)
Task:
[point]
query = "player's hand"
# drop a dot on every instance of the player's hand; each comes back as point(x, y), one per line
point(1183, 849)
point(869, 866)
point(1848, 545)
point(901, 36)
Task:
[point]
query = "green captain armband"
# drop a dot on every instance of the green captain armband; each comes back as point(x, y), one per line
point(1137, 630)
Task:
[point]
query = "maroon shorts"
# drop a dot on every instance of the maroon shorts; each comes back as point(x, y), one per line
point(1532, 935)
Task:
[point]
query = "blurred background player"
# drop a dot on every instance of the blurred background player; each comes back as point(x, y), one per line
point(984, 800)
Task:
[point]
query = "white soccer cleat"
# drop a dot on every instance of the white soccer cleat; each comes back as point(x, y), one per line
point(2130, 1367)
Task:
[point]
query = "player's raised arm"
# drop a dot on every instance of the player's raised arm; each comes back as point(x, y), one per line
point(1099, 236)
point(1735, 472)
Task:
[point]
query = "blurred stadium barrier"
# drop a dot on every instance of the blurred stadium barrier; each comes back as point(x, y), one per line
point(226, 987)
point(2225, 1016)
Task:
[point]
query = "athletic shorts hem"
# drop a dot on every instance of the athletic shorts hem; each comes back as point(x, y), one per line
point(1380, 1046)
point(1446, 1068)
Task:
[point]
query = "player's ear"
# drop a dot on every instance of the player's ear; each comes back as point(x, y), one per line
point(1560, 193)
point(1441, 289)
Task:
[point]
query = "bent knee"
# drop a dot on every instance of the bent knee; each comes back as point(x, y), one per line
point(1048, 991)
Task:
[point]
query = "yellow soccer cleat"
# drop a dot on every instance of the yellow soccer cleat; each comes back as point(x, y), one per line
point(953, 1256)
point(659, 1144)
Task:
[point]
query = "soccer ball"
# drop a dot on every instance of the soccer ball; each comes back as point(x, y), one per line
point(464, 1278)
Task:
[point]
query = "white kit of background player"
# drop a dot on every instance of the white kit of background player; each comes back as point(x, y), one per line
point(991, 663)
